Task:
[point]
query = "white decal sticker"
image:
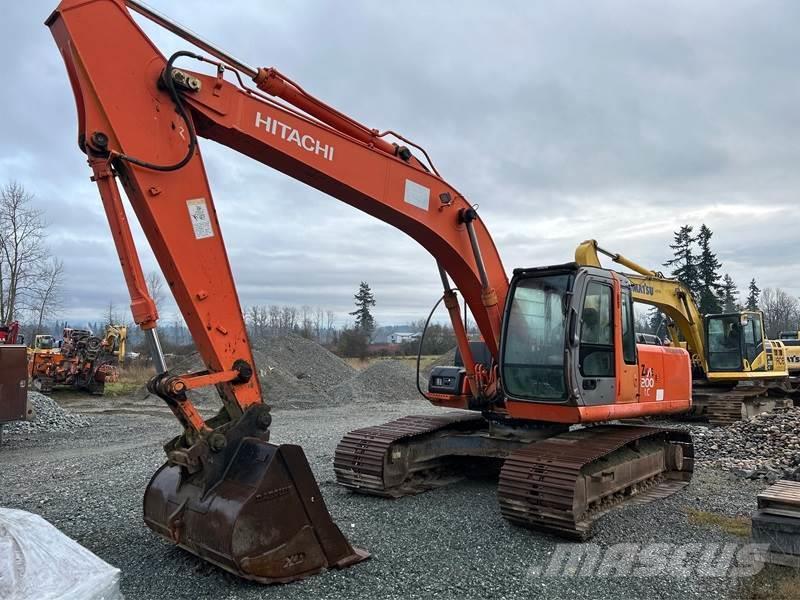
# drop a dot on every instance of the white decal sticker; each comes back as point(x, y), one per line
point(659, 395)
point(198, 215)
point(417, 194)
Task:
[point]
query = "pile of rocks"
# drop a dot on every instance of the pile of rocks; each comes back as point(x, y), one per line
point(297, 373)
point(766, 446)
point(49, 416)
point(383, 381)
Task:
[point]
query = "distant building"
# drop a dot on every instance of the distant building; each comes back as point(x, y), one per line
point(399, 337)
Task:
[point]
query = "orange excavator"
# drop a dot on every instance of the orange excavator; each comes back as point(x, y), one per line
point(558, 362)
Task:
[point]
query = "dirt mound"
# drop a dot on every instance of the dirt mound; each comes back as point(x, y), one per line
point(445, 360)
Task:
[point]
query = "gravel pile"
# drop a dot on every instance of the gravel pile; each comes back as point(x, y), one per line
point(446, 359)
point(49, 416)
point(298, 373)
point(764, 447)
point(383, 381)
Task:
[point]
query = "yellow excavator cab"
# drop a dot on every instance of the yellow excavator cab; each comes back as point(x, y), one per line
point(737, 348)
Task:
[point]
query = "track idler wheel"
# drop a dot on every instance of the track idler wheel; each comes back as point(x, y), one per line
point(264, 519)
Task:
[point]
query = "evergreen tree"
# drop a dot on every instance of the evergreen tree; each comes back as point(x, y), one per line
point(729, 295)
point(708, 273)
point(364, 300)
point(753, 295)
point(657, 322)
point(684, 263)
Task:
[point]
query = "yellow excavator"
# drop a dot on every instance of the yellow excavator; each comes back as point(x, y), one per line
point(737, 372)
point(114, 341)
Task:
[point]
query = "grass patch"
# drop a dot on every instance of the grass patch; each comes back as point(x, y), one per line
point(734, 525)
point(120, 388)
point(425, 361)
point(771, 583)
point(130, 378)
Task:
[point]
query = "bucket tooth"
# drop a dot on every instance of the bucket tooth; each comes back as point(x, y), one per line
point(264, 519)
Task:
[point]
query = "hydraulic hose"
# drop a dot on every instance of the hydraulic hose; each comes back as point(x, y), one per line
point(169, 83)
point(422, 340)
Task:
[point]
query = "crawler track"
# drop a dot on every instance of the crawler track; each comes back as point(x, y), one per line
point(364, 462)
point(564, 483)
point(721, 406)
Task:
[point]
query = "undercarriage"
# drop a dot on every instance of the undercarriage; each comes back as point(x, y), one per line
point(723, 405)
point(549, 478)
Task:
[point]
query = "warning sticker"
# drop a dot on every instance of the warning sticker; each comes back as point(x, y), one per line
point(198, 215)
point(417, 194)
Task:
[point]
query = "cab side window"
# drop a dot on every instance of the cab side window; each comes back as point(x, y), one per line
point(628, 332)
point(597, 339)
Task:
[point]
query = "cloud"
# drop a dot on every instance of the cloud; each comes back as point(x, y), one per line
point(563, 121)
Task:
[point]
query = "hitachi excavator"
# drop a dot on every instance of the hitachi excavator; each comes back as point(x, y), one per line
point(560, 359)
point(737, 371)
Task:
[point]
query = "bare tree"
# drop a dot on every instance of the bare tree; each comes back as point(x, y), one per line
point(22, 251)
point(288, 318)
point(781, 311)
point(47, 292)
point(155, 286)
point(274, 317)
point(112, 316)
point(257, 320)
point(306, 325)
point(319, 318)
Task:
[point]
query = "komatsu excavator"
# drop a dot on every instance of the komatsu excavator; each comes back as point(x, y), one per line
point(560, 360)
point(738, 372)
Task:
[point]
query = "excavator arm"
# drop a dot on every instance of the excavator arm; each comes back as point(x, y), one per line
point(131, 126)
point(139, 119)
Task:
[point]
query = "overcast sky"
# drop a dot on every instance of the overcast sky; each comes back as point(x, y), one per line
point(562, 120)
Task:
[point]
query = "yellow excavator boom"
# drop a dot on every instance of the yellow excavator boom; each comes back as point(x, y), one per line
point(675, 300)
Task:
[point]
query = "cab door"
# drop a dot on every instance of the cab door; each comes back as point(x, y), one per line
point(628, 375)
point(596, 368)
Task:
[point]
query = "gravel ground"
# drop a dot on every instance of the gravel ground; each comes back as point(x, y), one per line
point(449, 543)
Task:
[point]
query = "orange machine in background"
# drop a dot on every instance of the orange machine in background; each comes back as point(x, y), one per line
point(81, 362)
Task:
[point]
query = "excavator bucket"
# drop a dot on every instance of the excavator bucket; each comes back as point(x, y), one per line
point(264, 519)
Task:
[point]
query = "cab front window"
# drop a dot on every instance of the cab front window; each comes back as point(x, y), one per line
point(725, 342)
point(534, 338)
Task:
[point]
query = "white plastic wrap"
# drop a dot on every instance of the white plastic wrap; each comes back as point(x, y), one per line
point(38, 562)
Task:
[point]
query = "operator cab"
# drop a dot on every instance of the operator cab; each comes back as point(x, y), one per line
point(734, 341)
point(44, 342)
point(558, 341)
